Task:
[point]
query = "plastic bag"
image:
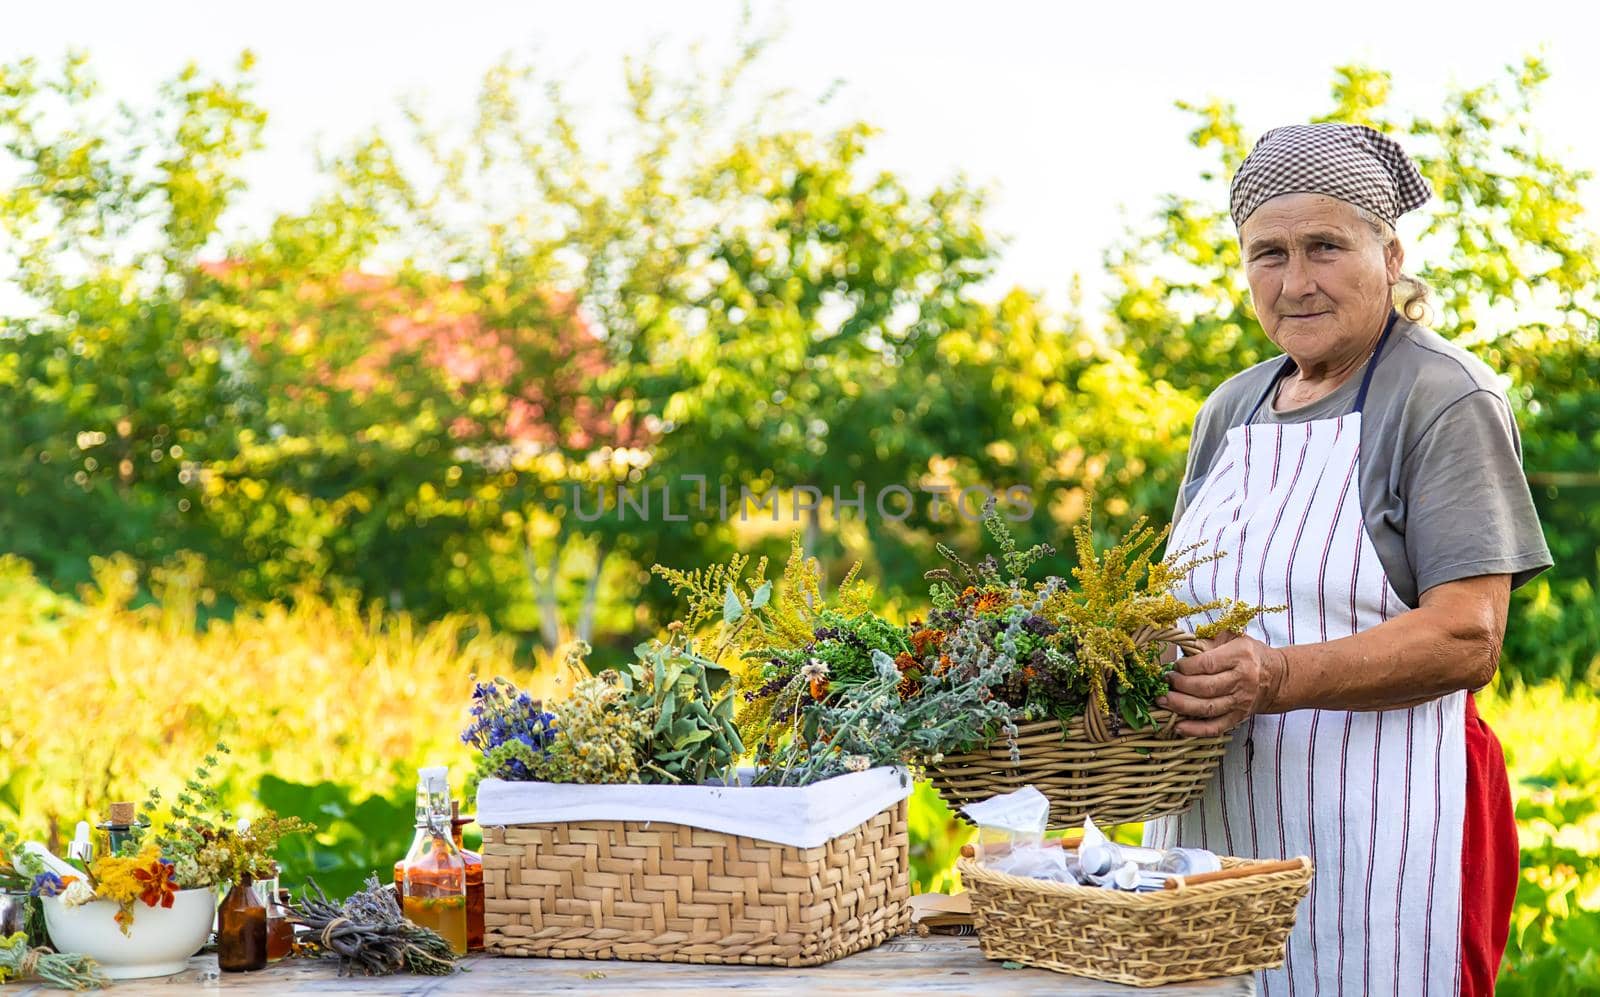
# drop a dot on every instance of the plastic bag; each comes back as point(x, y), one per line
point(1010, 821)
point(1011, 836)
point(1011, 840)
point(1100, 856)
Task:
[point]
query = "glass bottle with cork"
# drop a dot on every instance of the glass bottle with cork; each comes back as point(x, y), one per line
point(433, 878)
point(474, 861)
point(120, 827)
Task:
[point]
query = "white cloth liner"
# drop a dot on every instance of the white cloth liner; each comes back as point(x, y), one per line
point(802, 816)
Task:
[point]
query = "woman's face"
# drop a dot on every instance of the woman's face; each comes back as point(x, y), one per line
point(1319, 276)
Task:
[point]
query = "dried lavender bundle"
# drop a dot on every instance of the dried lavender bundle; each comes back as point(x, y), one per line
point(64, 970)
point(369, 935)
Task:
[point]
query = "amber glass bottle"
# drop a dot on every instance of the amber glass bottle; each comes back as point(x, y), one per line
point(474, 879)
point(280, 930)
point(241, 930)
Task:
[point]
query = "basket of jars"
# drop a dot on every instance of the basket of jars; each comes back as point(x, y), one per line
point(1235, 920)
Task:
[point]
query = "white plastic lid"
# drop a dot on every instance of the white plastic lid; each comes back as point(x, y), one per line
point(1096, 858)
point(434, 778)
point(1126, 876)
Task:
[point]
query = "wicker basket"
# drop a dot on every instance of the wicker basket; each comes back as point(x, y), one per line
point(1133, 776)
point(1143, 939)
point(670, 893)
point(1088, 769)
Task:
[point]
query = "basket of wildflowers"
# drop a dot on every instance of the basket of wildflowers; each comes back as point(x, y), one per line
point(1080, 663)
point(618, 824)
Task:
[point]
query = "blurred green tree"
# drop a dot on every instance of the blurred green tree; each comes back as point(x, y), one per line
point(414, 387)
point(109, 392)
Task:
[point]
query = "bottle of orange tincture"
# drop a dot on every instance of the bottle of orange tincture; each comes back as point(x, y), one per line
point(433, 877)
point(474, 878)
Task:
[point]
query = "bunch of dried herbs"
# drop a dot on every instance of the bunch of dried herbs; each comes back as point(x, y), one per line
point(785, 646)
point(873, 723)
point(1087, 647)
point(368, 934)
point(20, 961)
point(689, 732)
point(657, 720)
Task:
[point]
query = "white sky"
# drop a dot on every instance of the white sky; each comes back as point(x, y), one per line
point(1066, 109)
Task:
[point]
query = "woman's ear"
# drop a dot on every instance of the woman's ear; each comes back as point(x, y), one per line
point(1394, 260)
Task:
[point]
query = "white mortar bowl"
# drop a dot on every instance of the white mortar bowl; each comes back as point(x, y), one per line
point(159, 943)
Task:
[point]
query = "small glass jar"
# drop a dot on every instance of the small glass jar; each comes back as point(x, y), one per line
point(475, 896)
point(13, 913)
point(280, 930)
point(241, 930)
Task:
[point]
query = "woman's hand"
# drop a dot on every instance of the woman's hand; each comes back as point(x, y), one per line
point(1235, 678)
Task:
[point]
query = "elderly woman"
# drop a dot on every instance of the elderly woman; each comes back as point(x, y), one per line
point(1370, 483)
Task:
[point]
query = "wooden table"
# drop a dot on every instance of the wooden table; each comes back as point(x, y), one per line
point(934, 965)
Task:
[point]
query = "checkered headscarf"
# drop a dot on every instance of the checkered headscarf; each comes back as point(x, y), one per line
point(1351, 162)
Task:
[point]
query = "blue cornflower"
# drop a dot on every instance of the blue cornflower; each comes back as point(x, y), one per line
point(46, 884)
point(501, 713)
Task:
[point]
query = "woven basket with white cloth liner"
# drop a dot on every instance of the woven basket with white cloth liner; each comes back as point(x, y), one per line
point(739, 874)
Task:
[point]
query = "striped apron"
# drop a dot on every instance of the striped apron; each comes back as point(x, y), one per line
point(1375, 798)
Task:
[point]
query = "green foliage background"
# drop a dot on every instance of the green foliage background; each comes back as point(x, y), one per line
point(393, 393)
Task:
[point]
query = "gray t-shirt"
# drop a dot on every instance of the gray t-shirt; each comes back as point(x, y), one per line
point(1442, 488)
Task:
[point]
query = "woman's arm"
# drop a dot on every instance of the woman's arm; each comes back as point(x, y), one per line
point(1450, 642)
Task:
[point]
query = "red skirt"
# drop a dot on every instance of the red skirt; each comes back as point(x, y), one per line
point(1489, 858)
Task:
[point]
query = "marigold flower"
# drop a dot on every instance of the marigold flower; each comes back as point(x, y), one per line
point(159, 883)
point(117, 878)
point(926, 640)
point(990, 602)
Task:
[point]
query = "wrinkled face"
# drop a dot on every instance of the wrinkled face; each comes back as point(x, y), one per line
point(1319, 275)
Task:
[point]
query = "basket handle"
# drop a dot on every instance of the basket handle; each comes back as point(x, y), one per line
point(1069, 841)
point(1097, 724)
point(1238, 872)
point(1184, 639)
